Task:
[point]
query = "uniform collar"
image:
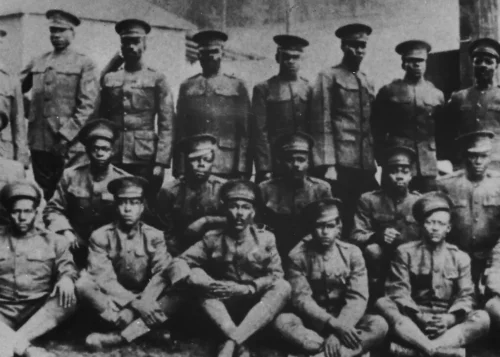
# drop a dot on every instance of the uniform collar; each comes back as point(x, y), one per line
point(128, 235)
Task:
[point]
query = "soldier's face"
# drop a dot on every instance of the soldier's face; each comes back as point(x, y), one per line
point(200, 167)
point(296, 164)
point(477, 163)
point(100, 152)
point(240, 214)
point(484, 67)
point(61, 37)
point(22, 214)
point(325, 233)
point(437, 226)
point(399, 177)
point(289, 62)
point(210, 59)
point(130, 210)
point(354, 51)
point(133, 48)
point(414, 67)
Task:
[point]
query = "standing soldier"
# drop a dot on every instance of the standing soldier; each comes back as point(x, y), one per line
point(477, 107)
point(281, 105)
point(340, 126)
point(218, 104)
point(284, 197)
point(64, 87)
point(37, 292)
point(384, 218)
point(238, 271)
point(405, 110)
point(82, 202)
point(192, 202)
point(138, 99)
point(329, 290)
point(475, 192)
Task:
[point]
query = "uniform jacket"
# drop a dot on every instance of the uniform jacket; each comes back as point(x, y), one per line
point(438, 279)
point(138, 102)
point(81, 203)
point(377, 211)
point(280, 107)
point(180, 204)
point(476, 211)
point(31, 266)
point(326, 284)
point(14, 137)
point(128, 266)
point(219, 106)
point(407, 112)
point(64, 91)
point(340, 122)
point(254, 261)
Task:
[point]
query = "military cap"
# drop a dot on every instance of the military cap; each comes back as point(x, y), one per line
point(132, 28)
point(399, 155)
point(485, 46)
point(128, 187)
point(429, 203)
point(18, 190)
point(478, 141)
point(414, 49)
point(210, 39)
point(198, 145)
point(3, 33)
point(294, 142)
point(62, 19)
point(290, 43)
point(354, 32)
point(239, 190)
point(321, 211)
point(98, 129)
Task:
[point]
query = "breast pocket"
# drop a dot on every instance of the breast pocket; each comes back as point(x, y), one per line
point(491, 205)
point(143, 96)
point(145, 144)
point(40, 262)
point(259, 260)
point(228, 121)
point(347, 95)
point(68, 78)
point(450, 283)
point(79, 201)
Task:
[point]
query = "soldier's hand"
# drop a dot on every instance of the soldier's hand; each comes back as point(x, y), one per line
point(331, 173)
point(61, 148)
point(65, 291)
point(158, 171)
point(349, 336)
point(439, 324)
point(228, 289)
point(125, 318)
point(390, 235)
point(332, 346)
point(73, 240)
point(149, 311)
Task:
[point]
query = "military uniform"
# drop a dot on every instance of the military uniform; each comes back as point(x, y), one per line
point(64, 91)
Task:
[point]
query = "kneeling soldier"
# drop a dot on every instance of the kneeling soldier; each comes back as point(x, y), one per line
point(127, 261)
point(238, 270)
point(430, 295)
point(329, 290)
point(37, 275)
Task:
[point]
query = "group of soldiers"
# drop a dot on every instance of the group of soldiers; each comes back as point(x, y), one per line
point(314, 253)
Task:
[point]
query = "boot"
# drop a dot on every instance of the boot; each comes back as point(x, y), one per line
point(227, 349)
point(397, 350)
point(98, 341)
point(33, 351)
point(243, 351)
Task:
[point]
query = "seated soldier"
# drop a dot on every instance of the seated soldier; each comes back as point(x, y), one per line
point(383, 218)
point(188, 205)
point(127, 262)
point(284, 197)
point(81, 202)
point(329, 290)
point(237, 269)
point(430, 295)
point(37, 275)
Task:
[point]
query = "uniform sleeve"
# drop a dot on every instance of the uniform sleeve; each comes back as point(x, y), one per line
point(86, 97)
point(243, 127)
point(493, 272)
point(439, 117)
point(164, 211)
point(101, 269)
point(464, 299)
point(64, 261)
point(273, 271)
point(165, 111)
point(54, 214)
point(447, 130)
point(262, 147)
point(160, 261)
point(26, 77)
point(363, 230)
point(356, 294)
point(197, 255)
point(379, 123)
point(398, 286)
point(18, 126)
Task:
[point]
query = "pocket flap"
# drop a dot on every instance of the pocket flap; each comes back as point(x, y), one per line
point(40, 255)
point(145, 135)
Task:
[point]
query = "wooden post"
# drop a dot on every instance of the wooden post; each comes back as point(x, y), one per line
point(290, 15)
point(478, 18)
point(224, 15)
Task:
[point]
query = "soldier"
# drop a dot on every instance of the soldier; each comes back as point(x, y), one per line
point(329, 290)
point(137, 98)
point(281, 105)
point(406, 109)
point(477, 107)
point(191, 203)
point(64, 87)
point(340, 126)
point(430, 295)
point(37, 274)
point(127, 262)
point(238, 271)
point(82, 202)
point(384, 219)
point(475, 192)
point(283, 198)
point(218, 104)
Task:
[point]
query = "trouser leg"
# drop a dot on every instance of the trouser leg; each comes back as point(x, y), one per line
point(373, 330)
point(374, 257)
point(218, 313)
point(493, 308)
point(475, 326)
point(292, 329)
